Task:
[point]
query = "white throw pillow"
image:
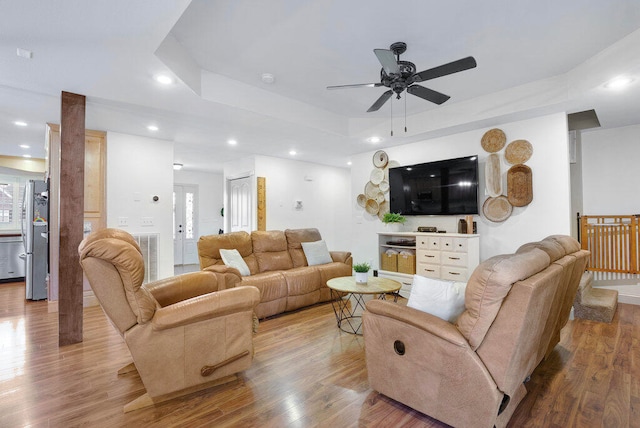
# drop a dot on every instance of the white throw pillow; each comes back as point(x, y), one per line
point(316, 253)
point(439, 297)
point(232, 258)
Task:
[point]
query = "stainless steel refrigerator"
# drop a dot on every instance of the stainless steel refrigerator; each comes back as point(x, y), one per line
point(35, 235)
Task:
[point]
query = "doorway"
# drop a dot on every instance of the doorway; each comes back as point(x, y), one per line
point(240, 204)
point(185, 224)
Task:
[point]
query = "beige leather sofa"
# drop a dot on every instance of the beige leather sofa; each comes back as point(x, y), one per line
point(472, 373)
point(185, 333)
point(278, 266)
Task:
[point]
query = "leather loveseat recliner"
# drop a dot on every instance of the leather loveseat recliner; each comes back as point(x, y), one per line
point(278, 266)
point(185, 333)
point(472, 373)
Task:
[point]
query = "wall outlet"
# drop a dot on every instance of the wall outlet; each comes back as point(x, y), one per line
point(123, 221)
point(146, 221)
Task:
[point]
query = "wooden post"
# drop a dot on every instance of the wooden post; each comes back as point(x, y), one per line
point(262, 203)
point(72, 118)
point(633, 245)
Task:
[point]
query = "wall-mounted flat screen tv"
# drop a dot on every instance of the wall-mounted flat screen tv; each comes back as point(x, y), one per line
point(444, 187)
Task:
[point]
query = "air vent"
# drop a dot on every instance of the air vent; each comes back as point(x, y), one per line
point(148, 243)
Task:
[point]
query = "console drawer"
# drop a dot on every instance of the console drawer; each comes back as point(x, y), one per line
point(428, 256)
point(454, 259)
point(428, 243)
point(446, 244)
point(430, 271)
point(454, 273)
point(460, 244)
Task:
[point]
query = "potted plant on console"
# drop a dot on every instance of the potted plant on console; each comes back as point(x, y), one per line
point(394, 221)
point(362, 272)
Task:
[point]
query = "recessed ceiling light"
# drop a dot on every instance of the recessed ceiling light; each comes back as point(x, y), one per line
point(618, 82)
point(177, 166)
point(268, 78)
point(349, 163)
point(24, 146)
point(152, 128)
point(24, 53)
point(20, 123)
point(232, 142)
point(292, 152)
point(26, 156)
point(374, 139)
point(164, 79)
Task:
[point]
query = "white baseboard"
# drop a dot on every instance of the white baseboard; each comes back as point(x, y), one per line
point(88, 299)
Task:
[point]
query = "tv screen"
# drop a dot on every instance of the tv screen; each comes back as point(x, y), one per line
point(435, 188)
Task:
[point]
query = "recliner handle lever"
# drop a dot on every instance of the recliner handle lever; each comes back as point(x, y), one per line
point(208, 370)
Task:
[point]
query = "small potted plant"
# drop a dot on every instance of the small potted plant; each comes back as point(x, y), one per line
point(394, 221)
point(362, 272)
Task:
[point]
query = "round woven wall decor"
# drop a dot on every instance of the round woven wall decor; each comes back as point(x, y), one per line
point(493, 140)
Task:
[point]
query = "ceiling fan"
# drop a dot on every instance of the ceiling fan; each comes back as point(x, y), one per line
point(400, 75)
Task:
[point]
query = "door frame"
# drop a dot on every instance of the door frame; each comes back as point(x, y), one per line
point(196, 220)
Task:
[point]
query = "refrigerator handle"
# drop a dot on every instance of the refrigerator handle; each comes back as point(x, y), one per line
point(23, 217)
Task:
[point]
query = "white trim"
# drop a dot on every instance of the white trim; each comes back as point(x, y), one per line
point(88, 299)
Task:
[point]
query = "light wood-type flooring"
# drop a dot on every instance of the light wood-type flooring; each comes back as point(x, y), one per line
point(306, 373)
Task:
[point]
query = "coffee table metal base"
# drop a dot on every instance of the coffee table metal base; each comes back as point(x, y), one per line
point(346, 316)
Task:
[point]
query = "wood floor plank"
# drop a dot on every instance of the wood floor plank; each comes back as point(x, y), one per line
point(306, 373)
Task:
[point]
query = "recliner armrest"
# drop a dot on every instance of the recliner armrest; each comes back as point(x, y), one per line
point(422, 320)
point(221, 269)
point(206, 306)
point(341, 256)
point(175, 289)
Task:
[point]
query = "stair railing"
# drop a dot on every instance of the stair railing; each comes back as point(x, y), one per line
point(613, 242)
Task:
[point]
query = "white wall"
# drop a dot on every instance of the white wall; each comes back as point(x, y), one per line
point(576, 174)
point(610, 171)
point(210, 198)
point(139, 168)
point(549, 212)
point(324, 191)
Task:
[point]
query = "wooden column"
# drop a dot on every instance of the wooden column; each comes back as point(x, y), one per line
point(72, 117)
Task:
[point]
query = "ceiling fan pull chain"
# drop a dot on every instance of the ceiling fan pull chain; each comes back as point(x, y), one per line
point(391, 117)
point(405, 113)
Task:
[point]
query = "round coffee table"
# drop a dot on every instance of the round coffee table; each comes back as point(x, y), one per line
point(349, 317)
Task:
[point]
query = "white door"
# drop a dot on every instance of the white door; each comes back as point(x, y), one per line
point(185, 224)
point(240, 206)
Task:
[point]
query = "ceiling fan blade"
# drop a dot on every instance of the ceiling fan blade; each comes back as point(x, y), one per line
point(357, 85)
point(388, 61)
point(380, 101)
point(445, 69)
point(428, 94)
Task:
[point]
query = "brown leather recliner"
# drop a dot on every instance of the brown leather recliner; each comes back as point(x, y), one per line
point(185, 333)
point(472, 373)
